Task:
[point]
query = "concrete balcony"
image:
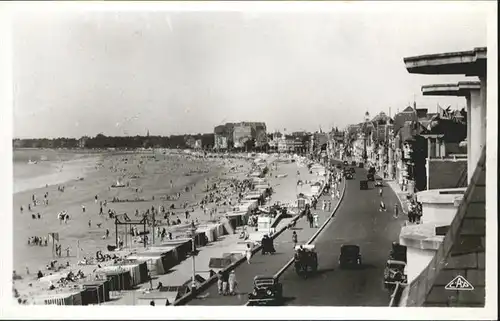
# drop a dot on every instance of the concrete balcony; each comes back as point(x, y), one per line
point(439, 208)
point(445, 252)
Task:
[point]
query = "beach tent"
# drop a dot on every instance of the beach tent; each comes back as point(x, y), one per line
point(237, 219)
point(95, 292)
point(154, 262)
point(138, 271)
point(119, 280)
point(73, 297)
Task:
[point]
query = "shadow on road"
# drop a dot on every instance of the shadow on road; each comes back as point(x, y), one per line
point(365, 266)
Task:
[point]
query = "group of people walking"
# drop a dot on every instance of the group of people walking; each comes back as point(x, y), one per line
point(226, 283)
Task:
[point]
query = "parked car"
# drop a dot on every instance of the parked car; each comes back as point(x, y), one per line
point(266, 291)
point(350, 256)
point(394, 273)
point(398, 252)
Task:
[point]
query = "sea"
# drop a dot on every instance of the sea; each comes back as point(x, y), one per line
point(35, 168)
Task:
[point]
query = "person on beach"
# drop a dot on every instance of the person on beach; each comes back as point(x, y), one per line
point(90, 223)
point(22, 209)
point(83, 208)
point(96, 199)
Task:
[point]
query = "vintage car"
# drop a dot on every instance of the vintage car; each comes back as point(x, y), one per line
point(349, 176)
point(394, 273)
point(345, 163)
point(305, 260)
point(266, 291)
point(350, 256)
point(398, 252)
point(363, 185)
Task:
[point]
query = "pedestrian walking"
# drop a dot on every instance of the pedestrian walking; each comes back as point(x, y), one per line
point(316, 220)
point(219, 282)
point(225, 279)
point(382, 206)
point(396, 211)
point(248, 253)
point(83, 208)
point(380, 192)
point(294, 239)
point(329, 206)
point(232, 283)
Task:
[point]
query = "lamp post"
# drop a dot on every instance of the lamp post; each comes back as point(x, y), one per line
point(193, 255)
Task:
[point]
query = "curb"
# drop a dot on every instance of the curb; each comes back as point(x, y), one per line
point(322, 227)
point(403, 208)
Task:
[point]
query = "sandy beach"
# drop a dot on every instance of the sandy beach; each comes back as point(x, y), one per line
point(146, 177)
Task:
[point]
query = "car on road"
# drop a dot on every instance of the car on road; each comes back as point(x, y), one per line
point(394, 273)
point(352, 170)
point(305, 260)
point(350, 256)
point(349, 176)
point(266, 291)
point(345, 163)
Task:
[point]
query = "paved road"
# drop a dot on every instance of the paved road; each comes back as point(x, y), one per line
point(264, 264)
point(357, 221)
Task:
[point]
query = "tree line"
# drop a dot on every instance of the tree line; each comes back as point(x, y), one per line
point(101, 141)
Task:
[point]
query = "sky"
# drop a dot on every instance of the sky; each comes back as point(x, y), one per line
point(120, 72)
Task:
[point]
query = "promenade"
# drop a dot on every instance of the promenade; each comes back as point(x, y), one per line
point(267, 265)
